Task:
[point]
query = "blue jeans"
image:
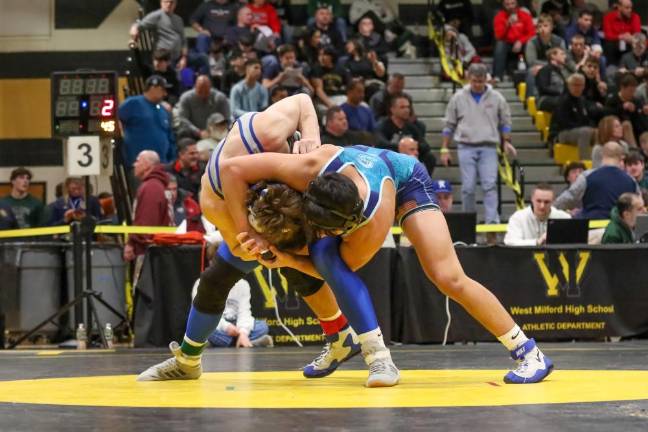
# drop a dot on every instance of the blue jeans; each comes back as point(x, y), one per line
point(220, 339)
point(479, 161)
point(203, 43)
point(500, 58)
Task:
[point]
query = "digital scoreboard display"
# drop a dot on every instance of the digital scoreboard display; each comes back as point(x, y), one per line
point(84, 103)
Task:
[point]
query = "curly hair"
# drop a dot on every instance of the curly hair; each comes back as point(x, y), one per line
point(332, 202)
point(276, 212)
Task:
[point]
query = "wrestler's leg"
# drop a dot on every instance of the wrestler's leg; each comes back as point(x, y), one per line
point(428, 232)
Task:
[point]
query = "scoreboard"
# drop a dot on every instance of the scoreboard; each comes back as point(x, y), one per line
point(84, 103)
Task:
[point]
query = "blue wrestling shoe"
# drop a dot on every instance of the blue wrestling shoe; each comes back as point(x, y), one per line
point(339, 348)
point(532, 367)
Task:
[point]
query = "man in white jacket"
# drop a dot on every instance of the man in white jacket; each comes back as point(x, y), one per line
point(528, 227)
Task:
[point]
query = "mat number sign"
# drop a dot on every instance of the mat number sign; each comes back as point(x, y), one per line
point(83, 155)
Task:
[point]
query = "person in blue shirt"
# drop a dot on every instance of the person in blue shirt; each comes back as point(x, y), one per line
point(248, 95)
point(359, 115)
point(146, 123)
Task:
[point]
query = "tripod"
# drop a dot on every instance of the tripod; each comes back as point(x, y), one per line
point(82, 233)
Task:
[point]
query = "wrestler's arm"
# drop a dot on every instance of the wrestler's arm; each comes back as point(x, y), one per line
point(240, 172)
point(282, 119)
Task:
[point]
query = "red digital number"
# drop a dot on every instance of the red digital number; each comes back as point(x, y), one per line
point(107, 108)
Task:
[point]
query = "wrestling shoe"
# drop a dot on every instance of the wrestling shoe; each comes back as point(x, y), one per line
point(339, 348)
point(382, 370)
point(533, 366)
point(171, 369)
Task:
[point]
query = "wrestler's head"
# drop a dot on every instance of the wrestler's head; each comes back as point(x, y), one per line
point(332, 204)
point(275, 211)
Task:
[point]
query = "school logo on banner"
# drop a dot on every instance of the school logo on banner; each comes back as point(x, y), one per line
point(562, 271)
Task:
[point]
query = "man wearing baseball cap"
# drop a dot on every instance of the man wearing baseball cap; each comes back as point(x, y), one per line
point(443, 191)
point(27, 209)
point(146, 124)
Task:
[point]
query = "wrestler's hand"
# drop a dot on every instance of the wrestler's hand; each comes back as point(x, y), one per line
point(281, 259)
point(243, 341)
point(252, 243)
point(305, 145)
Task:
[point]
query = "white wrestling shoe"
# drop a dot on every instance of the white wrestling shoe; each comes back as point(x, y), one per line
point(382, 370)
point(171, 369)
point(533, 366)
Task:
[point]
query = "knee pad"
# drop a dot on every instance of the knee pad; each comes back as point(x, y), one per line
point(214, 286)
point(305, 285)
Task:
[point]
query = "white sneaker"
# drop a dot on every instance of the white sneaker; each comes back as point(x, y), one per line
point(382, 371)
point(171, 369)
point(533, 366)
point(263, 341)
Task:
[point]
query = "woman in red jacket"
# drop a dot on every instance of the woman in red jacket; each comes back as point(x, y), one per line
point(513, 28)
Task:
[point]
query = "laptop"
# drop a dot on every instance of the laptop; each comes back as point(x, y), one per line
point(567, 231)
point(641, 228)
point(462, 227)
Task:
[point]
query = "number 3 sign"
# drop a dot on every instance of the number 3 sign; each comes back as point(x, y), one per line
point(83, 156)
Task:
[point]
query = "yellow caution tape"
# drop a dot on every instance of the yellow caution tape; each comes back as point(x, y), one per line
point(453, 67)
point(99, 229)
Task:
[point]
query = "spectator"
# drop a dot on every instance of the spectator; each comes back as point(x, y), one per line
point(329, 79)
point(636, 168)
point(371, 40)
point(513, 29)
point(288, 73)
point(610, 128)
point(277, 93)
point(308, 46)
point(596, 190)
point(458, 45)
point(556, 10)
point(151, 207)
point(217, 130)
point(365, 65)
point(237, 327)
point(391, 129)
point(27, 210)
point(409, 146)
point(528, 227)
point(162, 67)
point(584, 26)
point(477, 118)
point(642, 90)
point(582, 5)
point(536, 50)
point(337, 130)
point(249, 95)
point(623, 219)
point(381, 100)
point(72, 206)
point(7, 218)
point(217, 62)
point(595, 88)
point(235, 70)
point(145, 124)
point(196, 105)
point(572, 120)
point(359, 116)
point(108, 210)
point(457, 13)
point(338, 14)
point(186, 211)
point(188, 169)
point(243, 28)
point(628, 108)
point(170, 35)
point(550, 80)
point(636, 60)
point(572, 171)
point(443, 191)
point(211, 20)
point(265, 15)
point(329, 34)
point(643, 146)
point(618, 27)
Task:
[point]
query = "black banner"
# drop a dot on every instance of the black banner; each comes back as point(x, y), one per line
point(554, 293)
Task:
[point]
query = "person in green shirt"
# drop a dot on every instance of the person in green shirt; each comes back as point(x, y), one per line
point(623, 219)
point(27, 208)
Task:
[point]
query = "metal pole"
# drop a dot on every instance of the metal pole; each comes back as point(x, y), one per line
point(77, 262)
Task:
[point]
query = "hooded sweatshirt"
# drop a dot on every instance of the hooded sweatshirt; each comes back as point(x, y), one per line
point(152, 207)
point(617, 231)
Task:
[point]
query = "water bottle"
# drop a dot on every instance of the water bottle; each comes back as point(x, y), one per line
point(521, 63)
point(108, 333)
point(81, 337)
